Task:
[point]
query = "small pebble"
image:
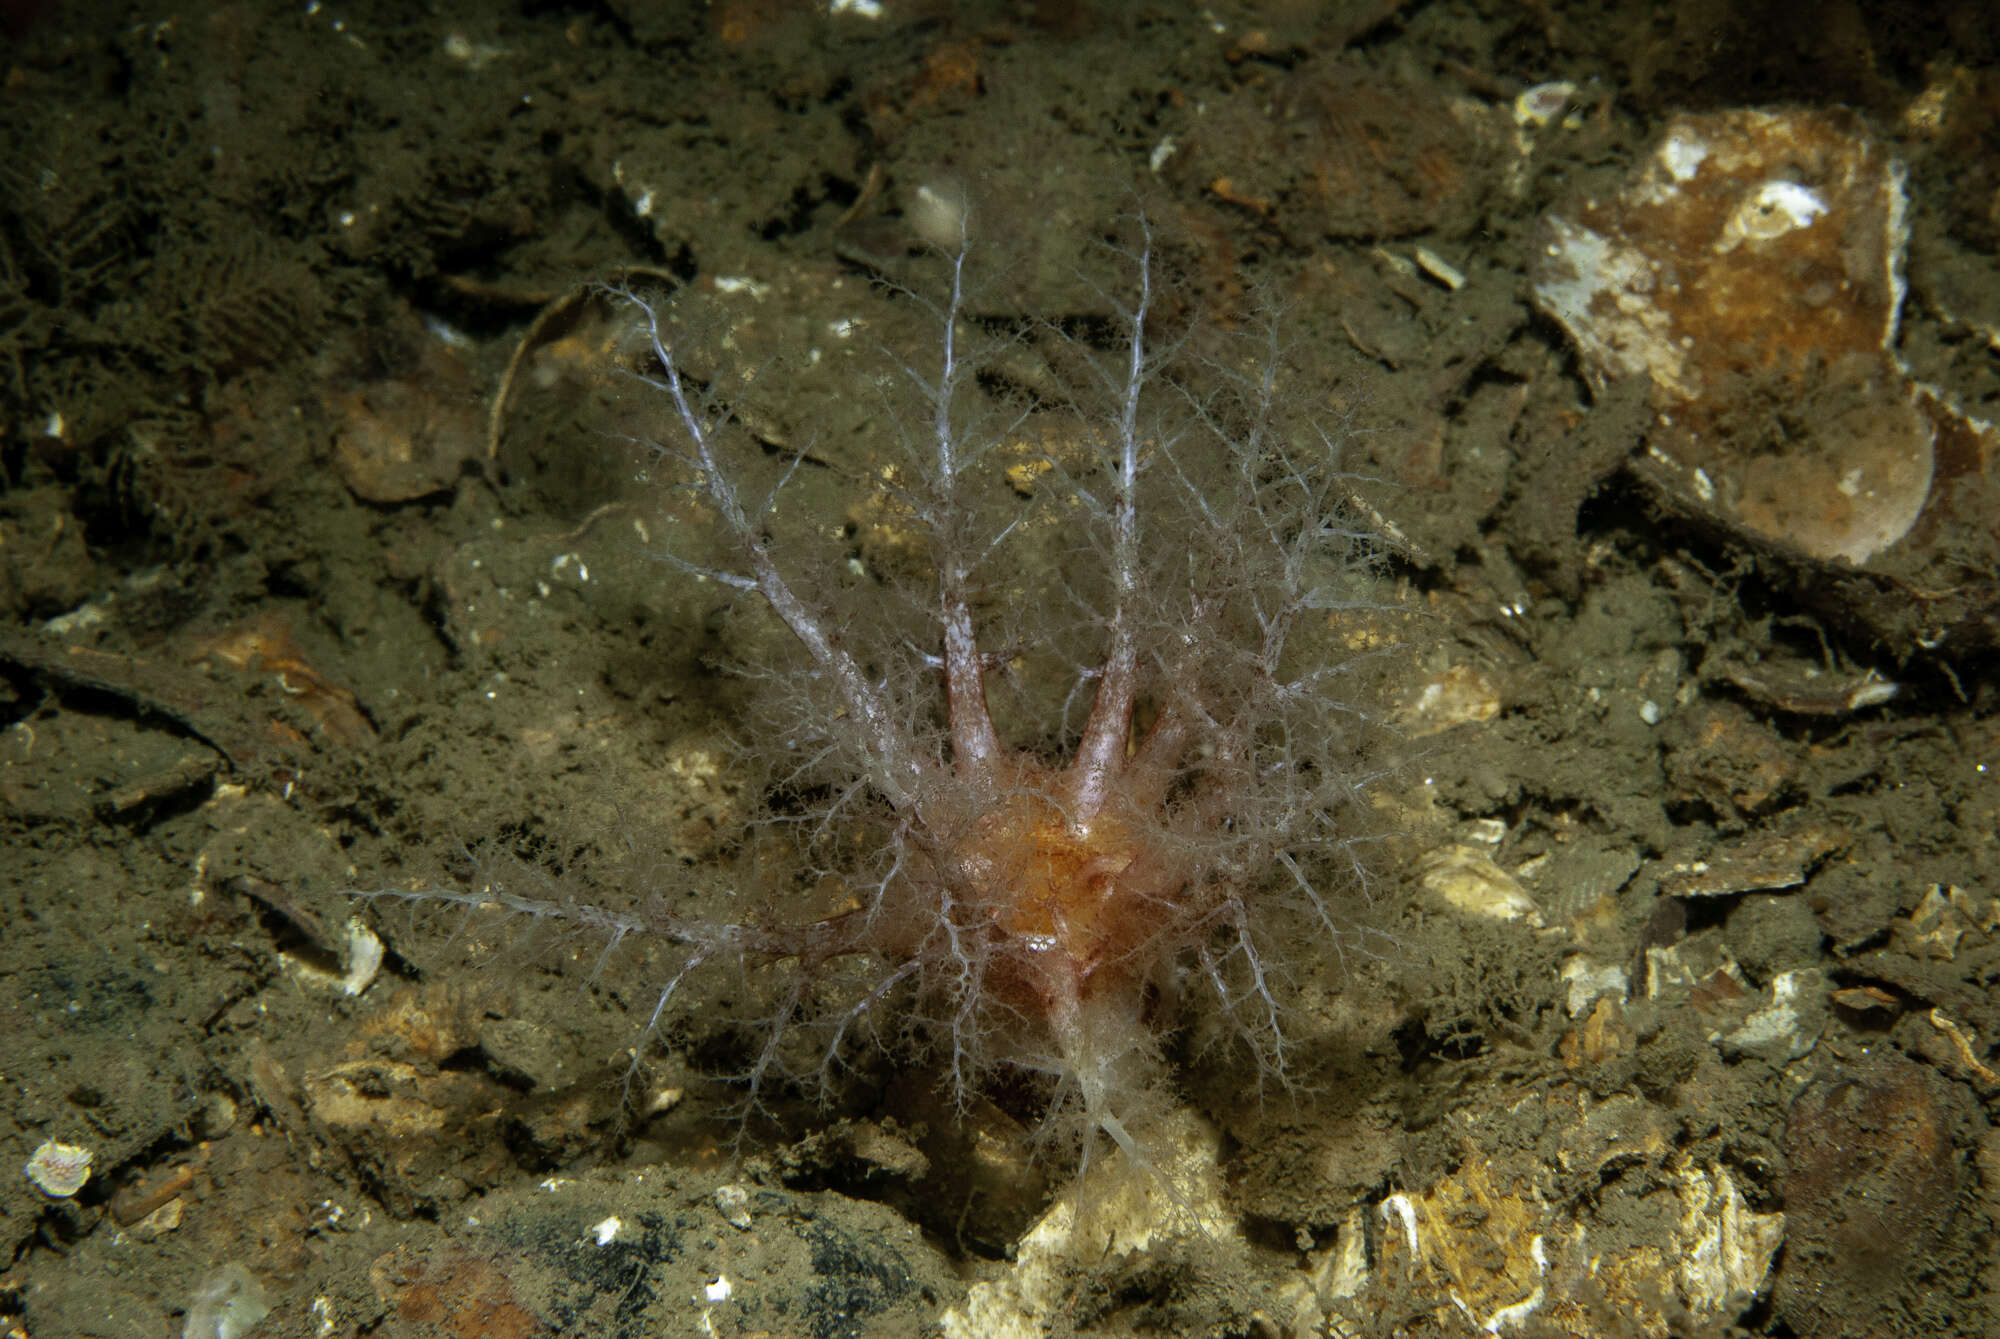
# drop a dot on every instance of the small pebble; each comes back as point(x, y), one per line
point(733, 1202)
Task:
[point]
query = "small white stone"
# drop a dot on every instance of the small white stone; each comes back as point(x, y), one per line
point(733, 1203)
point(1585, 982)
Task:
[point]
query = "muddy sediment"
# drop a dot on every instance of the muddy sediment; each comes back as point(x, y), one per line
point(326, 567)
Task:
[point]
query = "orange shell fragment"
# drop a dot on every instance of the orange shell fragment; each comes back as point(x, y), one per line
point(1753, 270)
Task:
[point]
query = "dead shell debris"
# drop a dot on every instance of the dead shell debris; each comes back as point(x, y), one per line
point(1752, 270)
point(1752, 249)
point(58, 1169)
point(1490, 1242)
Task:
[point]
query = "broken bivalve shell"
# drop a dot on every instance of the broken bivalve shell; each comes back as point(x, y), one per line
point(1754, 256)
point(1751, 271)
point(1467, 880)
point(1500, 1242)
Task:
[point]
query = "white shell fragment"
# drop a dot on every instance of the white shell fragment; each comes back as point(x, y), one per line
point(1542, 104)
point(1726, 1249)
point(1468, 881)
point(1585, 982)
point(364, 957)
point(362, 952)
point(1438, 268)
point(59, 1170)
point(1788, 1025)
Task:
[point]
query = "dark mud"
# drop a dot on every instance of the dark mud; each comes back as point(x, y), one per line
point(1678, 925)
